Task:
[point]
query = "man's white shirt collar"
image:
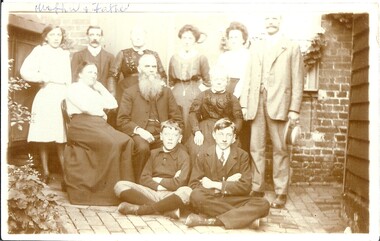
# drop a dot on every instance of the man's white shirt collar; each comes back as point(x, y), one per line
point(226, 153)
point(94, 51)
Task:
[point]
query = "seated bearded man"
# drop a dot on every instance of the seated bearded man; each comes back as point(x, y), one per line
point(143, 107)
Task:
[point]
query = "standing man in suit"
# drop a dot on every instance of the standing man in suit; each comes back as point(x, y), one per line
point(272, 95)
point(94, 53)
point(143, 107)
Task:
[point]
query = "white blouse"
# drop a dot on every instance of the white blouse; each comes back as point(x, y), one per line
point(235, 63)
point(47, 64)
point(82, 98)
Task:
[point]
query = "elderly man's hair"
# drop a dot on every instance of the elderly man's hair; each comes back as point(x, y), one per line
point(144, 56)
point(94, 27)
point(219, 71)
point(171, 124)
point(224, 123)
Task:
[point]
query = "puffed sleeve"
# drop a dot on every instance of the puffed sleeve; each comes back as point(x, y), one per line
point(116, 66)
point(31, 69)
point(171, 79)
point(195, 115)
point(85, 100)
point(67, 68)
point(205, 68)
point(160, 67)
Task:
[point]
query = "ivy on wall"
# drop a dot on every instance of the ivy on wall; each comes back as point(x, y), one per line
point(314, 52)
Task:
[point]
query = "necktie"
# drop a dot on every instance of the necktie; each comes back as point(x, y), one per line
point(222, 158)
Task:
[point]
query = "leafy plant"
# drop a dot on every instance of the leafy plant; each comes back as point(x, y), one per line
point(29, 209)
point(314, 52)
point(18, 114)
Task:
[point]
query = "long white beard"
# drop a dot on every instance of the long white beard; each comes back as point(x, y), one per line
point(150, 85)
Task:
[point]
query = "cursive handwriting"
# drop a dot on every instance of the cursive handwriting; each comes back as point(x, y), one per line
point(109, 8)
point(81, 7)
point(57, 8)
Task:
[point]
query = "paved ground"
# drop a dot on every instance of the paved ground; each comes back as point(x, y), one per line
point(310, 209)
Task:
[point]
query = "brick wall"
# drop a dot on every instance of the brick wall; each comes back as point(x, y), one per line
point(75, 26)
point(319, 155)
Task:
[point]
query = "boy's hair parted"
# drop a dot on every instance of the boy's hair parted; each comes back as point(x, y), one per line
point(224, 123)
point(171, 124)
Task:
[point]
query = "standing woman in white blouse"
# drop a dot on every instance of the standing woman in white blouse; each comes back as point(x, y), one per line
point(235, 59)
point(49, 65)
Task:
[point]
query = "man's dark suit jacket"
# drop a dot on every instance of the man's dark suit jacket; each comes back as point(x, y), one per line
point(134, 109)
point(106, 60)
point(206, 165)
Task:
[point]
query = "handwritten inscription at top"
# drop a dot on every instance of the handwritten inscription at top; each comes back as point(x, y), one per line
point(81, 7)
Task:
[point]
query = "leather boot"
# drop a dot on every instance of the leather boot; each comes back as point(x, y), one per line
point(175, 214)
point(128, 208)
point(255, 224)
point(279, 202)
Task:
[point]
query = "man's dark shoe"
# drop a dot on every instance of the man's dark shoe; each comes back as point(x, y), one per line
point(255, 224)
point(128, 208)
point(174, 214)
point(257, 194)
point(279, 202)
point(199, 220)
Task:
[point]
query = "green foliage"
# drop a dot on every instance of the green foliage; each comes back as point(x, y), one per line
point(314, 52)
point(29, 209)
point(18, 114)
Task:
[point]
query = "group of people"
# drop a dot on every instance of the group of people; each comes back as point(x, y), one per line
point(154, 143)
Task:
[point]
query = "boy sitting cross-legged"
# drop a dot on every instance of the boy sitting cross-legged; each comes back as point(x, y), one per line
point(221, 179)
point(162, 185)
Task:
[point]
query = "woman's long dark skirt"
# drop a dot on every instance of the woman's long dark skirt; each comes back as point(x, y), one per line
point(96, 157)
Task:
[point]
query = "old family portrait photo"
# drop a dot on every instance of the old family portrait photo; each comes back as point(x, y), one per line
point(136, 119)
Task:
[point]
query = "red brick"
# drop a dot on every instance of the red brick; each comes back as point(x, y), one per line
point(340, 80)
point(322, 144)
point(328, 115)
point(340, 122)
point(326, 123)
point(327, 152)
point(327, 108)
point(338, 108)
point(339, 152)
point(343, 115)
point(342, 95)
point(345, 87)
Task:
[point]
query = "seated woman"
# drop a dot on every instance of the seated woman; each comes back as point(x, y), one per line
point(208, 107)
point(97, 156)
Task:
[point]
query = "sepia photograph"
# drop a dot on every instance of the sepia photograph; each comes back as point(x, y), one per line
point(191, 120)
